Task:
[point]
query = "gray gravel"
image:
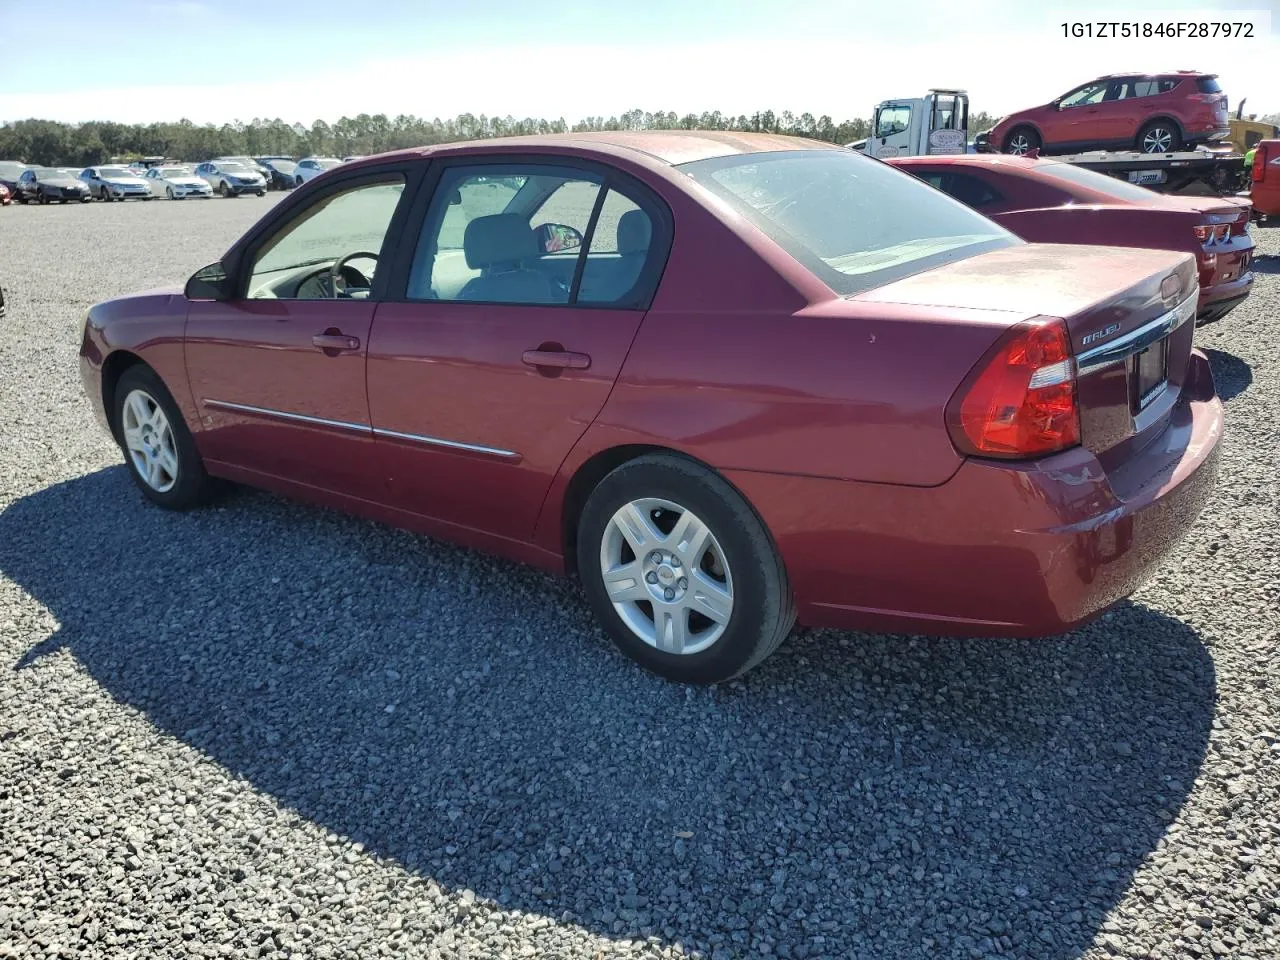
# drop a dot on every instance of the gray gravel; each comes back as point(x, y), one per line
point(269, 730)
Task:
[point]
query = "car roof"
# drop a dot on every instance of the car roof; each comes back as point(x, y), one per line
point(653, 147)
point(1157, 73)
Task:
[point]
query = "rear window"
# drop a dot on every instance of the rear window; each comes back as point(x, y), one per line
point(1098, 182)
point(1208, 85)
point(854, 222)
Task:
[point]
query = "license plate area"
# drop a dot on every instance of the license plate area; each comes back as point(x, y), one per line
point(1148, 375)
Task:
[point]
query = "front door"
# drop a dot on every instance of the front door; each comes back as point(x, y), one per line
point(526, 289)
point(892, 134)
point(278, 373)
point(1075, 123)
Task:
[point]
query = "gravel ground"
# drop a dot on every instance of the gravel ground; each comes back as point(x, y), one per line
point(264, 729)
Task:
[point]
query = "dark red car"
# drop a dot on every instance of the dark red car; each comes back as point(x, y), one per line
point(1150, 112)
point(1264, 188)
point(1048, 201)
point(756, 379)
point(5, 198)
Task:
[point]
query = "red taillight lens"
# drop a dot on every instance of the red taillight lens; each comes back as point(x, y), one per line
point(1260, 165)
point(1202, 232)
point(1020, 401)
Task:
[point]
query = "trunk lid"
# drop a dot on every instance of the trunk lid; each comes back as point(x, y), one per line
point(1127, 312)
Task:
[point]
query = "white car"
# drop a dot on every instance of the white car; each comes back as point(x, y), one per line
point(231, 178)
point(312, 167)
point(177, 183)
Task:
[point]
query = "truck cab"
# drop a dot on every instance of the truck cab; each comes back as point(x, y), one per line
point(937, 123)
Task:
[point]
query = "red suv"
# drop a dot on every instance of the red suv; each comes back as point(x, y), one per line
point(1153, 113)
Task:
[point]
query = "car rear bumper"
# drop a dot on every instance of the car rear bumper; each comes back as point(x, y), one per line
point(999, 549)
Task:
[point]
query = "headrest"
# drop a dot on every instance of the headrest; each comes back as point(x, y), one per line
point(500, 238)
point(633, 232)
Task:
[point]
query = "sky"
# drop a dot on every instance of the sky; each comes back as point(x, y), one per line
point(216, 61)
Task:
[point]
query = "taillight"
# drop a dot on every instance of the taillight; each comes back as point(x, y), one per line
point(1020, 401)
point(1259, 165)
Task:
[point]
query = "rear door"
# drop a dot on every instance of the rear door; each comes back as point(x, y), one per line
point(522, 291)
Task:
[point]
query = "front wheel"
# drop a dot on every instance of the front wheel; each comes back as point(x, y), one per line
point(1159, 136)
point(158, 447)
point(1022, 140)
point(223, 190)
point(681, 572)
point(262, 193)
point(168, 192)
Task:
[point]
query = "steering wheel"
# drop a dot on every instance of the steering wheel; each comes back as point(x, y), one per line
point(335, 271)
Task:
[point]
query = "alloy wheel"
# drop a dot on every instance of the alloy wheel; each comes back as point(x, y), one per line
point(1019, 144)
point(1157, 140)
point(148, 437)
point(666, 575)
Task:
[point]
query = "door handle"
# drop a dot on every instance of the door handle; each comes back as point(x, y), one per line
point(334, 342)
point(556, 359)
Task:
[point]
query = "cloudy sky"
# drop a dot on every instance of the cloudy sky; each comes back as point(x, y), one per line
point(223, 60)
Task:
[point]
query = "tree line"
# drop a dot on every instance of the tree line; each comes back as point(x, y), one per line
point(51, 143)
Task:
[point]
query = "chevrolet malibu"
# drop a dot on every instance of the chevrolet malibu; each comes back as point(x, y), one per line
point(1051, 201)
point(729, 381)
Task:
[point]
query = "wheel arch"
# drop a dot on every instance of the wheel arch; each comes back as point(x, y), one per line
point(599, 465)
point(113, 368)
point(1023, 125)
point(1165, 118)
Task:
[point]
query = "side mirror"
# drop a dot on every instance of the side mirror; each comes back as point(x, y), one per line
point(555, 237)
point(209, 283)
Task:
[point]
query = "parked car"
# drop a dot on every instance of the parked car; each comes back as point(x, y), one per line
point(311, 167)
point(1153, 113)
point(10, 172)
point(282, 173)
point(1264, 189)
point(6, 197)
point(965, 433)
point(231, 178)
point(115, 183)
point(50, 184)
point(177, 182)
point(1053, 202)
point(249, 162)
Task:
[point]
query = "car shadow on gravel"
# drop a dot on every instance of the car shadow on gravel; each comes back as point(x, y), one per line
point(1231, 375)
point(856, 795)
point(1266, 263)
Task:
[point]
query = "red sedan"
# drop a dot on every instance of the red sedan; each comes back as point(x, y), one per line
point(5, 198)
point(1048, 201)
point(728, 380)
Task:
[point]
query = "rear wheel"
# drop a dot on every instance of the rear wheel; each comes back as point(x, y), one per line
point(1021, 140)
point(1159, 136)
point(681, 572)
point(158, 447)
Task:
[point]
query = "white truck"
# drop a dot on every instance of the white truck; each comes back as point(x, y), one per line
point(937, 123)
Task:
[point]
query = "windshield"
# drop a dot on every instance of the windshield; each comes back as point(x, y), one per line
point(176, 172)
point(284, 166)
point(855, 222)
point(107, 173)
point(11, 171)
point(1099, 182)
point(230, 166)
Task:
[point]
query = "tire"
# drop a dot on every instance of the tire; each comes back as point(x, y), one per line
point(1159, 136)
point(223, 190)
point(86, 199)
point(739, 560)
point(62, 200)
point(168, 192)
point(192, 485)
point(298, 181)
point(262, 193)
point(1021, 140)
